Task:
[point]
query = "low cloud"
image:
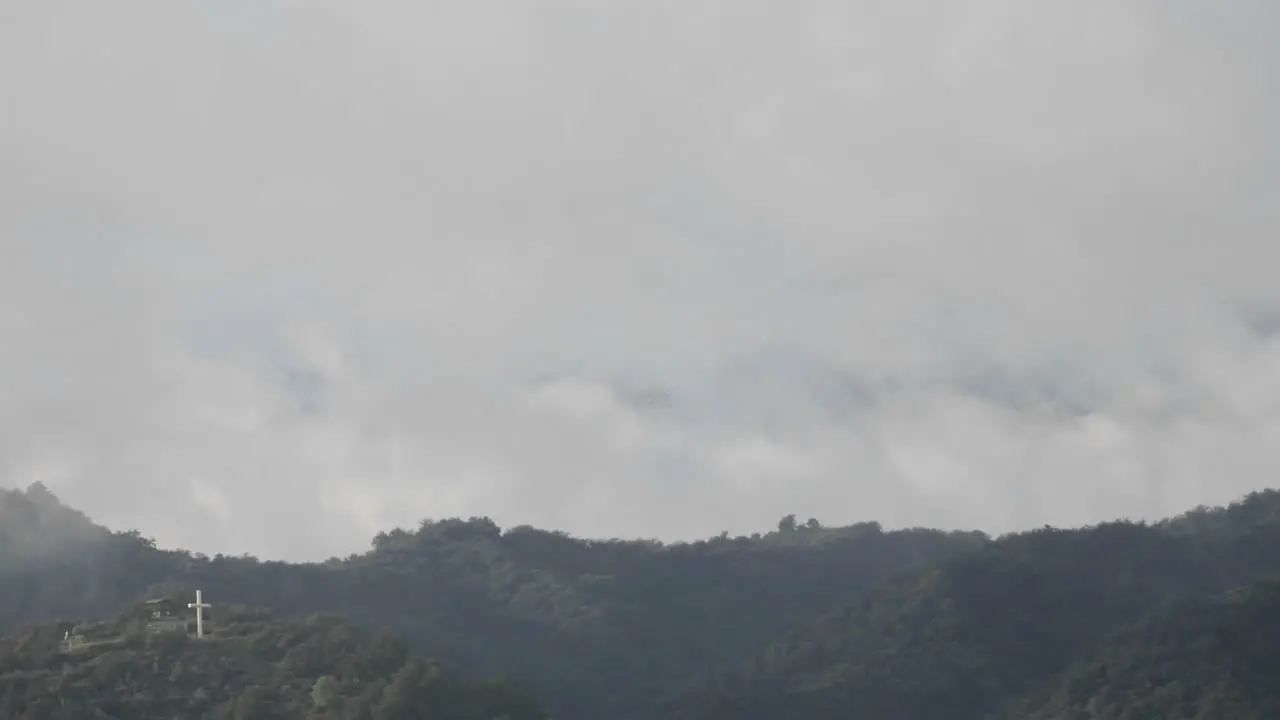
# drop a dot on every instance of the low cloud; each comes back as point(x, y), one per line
point(279, 275)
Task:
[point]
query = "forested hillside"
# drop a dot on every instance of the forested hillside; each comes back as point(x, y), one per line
point(1211, 659)
point(600, 628)
point(1120, 620)
point(973, 636)
point(252, 666)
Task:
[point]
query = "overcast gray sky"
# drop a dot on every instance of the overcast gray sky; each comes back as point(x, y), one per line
point(279, 274)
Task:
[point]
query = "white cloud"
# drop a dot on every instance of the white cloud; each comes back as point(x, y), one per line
point(277, 275)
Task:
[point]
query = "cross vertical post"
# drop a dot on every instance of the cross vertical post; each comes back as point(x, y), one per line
point(199, 605)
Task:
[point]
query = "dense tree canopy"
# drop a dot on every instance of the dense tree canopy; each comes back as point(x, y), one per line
point(803, 621)
point(254, 666)
point(1209, 659)
point(601, 628)
point(975, 633)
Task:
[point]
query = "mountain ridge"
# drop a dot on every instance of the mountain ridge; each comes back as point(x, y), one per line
point(254, 666)
point(974, 633)
point(817, 621)
point(633, 616)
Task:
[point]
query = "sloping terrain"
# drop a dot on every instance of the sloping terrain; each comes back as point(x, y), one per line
point(802, 622)
point(254, 666)
point(601, 628)
point(1215, 659)
point(979, 632)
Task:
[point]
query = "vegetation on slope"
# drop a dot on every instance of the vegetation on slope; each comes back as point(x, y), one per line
point(1102, 622)
point(601, 629)
point(1208, 659)
point(254, 666)
point(969, 637)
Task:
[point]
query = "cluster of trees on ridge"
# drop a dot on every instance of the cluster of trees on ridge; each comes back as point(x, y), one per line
point(805, 621)
point(253, 667)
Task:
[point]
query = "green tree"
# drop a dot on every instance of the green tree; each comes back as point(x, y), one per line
point(324, 691)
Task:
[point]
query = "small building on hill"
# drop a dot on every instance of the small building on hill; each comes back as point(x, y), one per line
point(162, 618)
point(73, 638)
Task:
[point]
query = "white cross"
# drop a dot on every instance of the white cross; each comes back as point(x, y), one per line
point(199, 605)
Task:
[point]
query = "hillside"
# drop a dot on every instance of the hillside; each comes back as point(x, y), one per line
point(1210, 659)
point(968, 638)
point(600, 628)
point(252, 666)
point(803, 621)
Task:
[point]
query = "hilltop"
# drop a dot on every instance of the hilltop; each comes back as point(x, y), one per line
point(600, 628)
point(982, 632)
point(253, 665)
point(802, 621)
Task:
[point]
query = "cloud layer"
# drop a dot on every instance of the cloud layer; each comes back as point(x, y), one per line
point(278, 275)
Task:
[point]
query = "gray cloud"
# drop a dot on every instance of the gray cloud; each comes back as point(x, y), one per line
point(278, 275)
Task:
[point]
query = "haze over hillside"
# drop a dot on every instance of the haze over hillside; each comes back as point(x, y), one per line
point(254, 666)
point(634, 360)
point(1121, 619)
point(277, 276)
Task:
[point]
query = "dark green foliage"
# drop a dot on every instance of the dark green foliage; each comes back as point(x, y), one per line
point(255, 666)
point(1216, 659)
point(600, 628)
point(963, 640)
point(1114, 621)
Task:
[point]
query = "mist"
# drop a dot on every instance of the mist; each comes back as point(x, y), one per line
point(279, 276)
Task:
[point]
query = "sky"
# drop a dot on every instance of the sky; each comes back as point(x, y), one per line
point(278, 275)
